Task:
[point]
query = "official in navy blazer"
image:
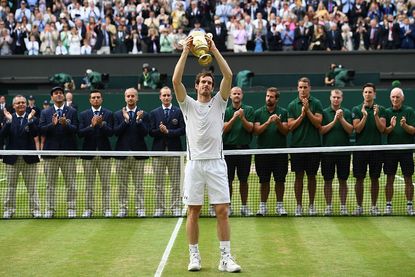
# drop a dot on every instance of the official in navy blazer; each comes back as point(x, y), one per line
point(95, 127)
point(167, 127)
point(131, 126)
point(19, 130)
point(59, 126)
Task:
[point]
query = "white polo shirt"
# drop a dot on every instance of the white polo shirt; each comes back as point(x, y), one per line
point(204, 127)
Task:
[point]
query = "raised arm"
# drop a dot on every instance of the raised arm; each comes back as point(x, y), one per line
point(226, 83)
point(178, 86)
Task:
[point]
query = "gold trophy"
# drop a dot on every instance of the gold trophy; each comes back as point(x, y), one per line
point(200, 47)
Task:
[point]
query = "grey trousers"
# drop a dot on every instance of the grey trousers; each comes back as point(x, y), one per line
point(123, 169)
point(172, 164)
point(29, 174)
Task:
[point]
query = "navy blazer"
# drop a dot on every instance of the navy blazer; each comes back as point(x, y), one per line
point(131, 135)
point(176, 126)
point(58, 137)
point(20, 137)
point(96, 138)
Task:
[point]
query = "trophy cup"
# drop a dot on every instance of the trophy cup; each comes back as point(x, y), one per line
point(200, 48)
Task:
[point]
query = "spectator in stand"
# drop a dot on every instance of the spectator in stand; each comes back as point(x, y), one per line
point(104, 43)
point(274, 39)
point(86, 49)
point(74, 42)
point(193, 13)
point(223, 11)
point(407, 34)
point(260, 24)
point(334, 38)
point(120, 40)
point(240, 38)
point(390, 33)
point(302, 36)
point(287, 37)
point(32, 46)
point(6, 42)
point(153, 41)
point(22, 11)
point(166, 40)
point(318, 40)
point(177, 15)
point(152, 21)
point(49, 40)
point(249, 28)
point(220, 34)
point(19, 34)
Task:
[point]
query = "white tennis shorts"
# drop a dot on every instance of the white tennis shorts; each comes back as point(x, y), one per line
point(210, 173)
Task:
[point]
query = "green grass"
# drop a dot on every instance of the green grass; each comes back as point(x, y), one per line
point(263, 246)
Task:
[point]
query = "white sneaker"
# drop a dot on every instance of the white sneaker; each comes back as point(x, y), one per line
point(87, 213)
point(36, 214)
point(212, 211)
point(299, 211)
point(388, 210)
point(108, 213)
point(410, 210)
point(177, 212)
point(227, 263)
point(122, 213)
point(328, 211)
point(358, 211)
point(48, 214)
point(279, 210)
point(8, 214)
point(245, 211)
point(195, 262)
point(374, 211)
point(312, 210)
point(157, 213)
point(71, 213)
point(141, 213)
point(343, 210)
point(263, 210)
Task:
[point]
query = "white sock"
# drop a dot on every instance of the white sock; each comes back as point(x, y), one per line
point(193, 248)
point(262, 203)
point(225, 247)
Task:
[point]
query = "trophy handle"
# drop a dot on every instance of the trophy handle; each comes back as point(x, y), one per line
point(205, 59)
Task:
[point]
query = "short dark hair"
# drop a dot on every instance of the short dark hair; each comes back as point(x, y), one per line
point(94, 91)
point(369, 85)
point(304, 80)
point(274, 90)
point(204, 74)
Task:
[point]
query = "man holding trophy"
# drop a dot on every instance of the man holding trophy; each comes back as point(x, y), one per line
point(206, 165)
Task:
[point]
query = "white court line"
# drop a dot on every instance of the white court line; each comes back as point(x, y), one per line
point(169, 246)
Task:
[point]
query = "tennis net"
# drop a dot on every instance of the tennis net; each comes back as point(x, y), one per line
point(148, 184)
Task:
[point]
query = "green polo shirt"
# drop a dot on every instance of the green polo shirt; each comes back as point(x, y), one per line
point(271, 137)
point(238, 135)
point(337, 136)
point(398, 134)
point(370, 135)
point(305, 135)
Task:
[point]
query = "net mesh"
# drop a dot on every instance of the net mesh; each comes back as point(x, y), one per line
point(146, 194)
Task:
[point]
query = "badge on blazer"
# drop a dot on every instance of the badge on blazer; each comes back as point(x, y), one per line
point(68, 121)
point(174, 121)
point(26, 129)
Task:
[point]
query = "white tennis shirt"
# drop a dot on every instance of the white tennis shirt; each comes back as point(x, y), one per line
point(204, 127)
